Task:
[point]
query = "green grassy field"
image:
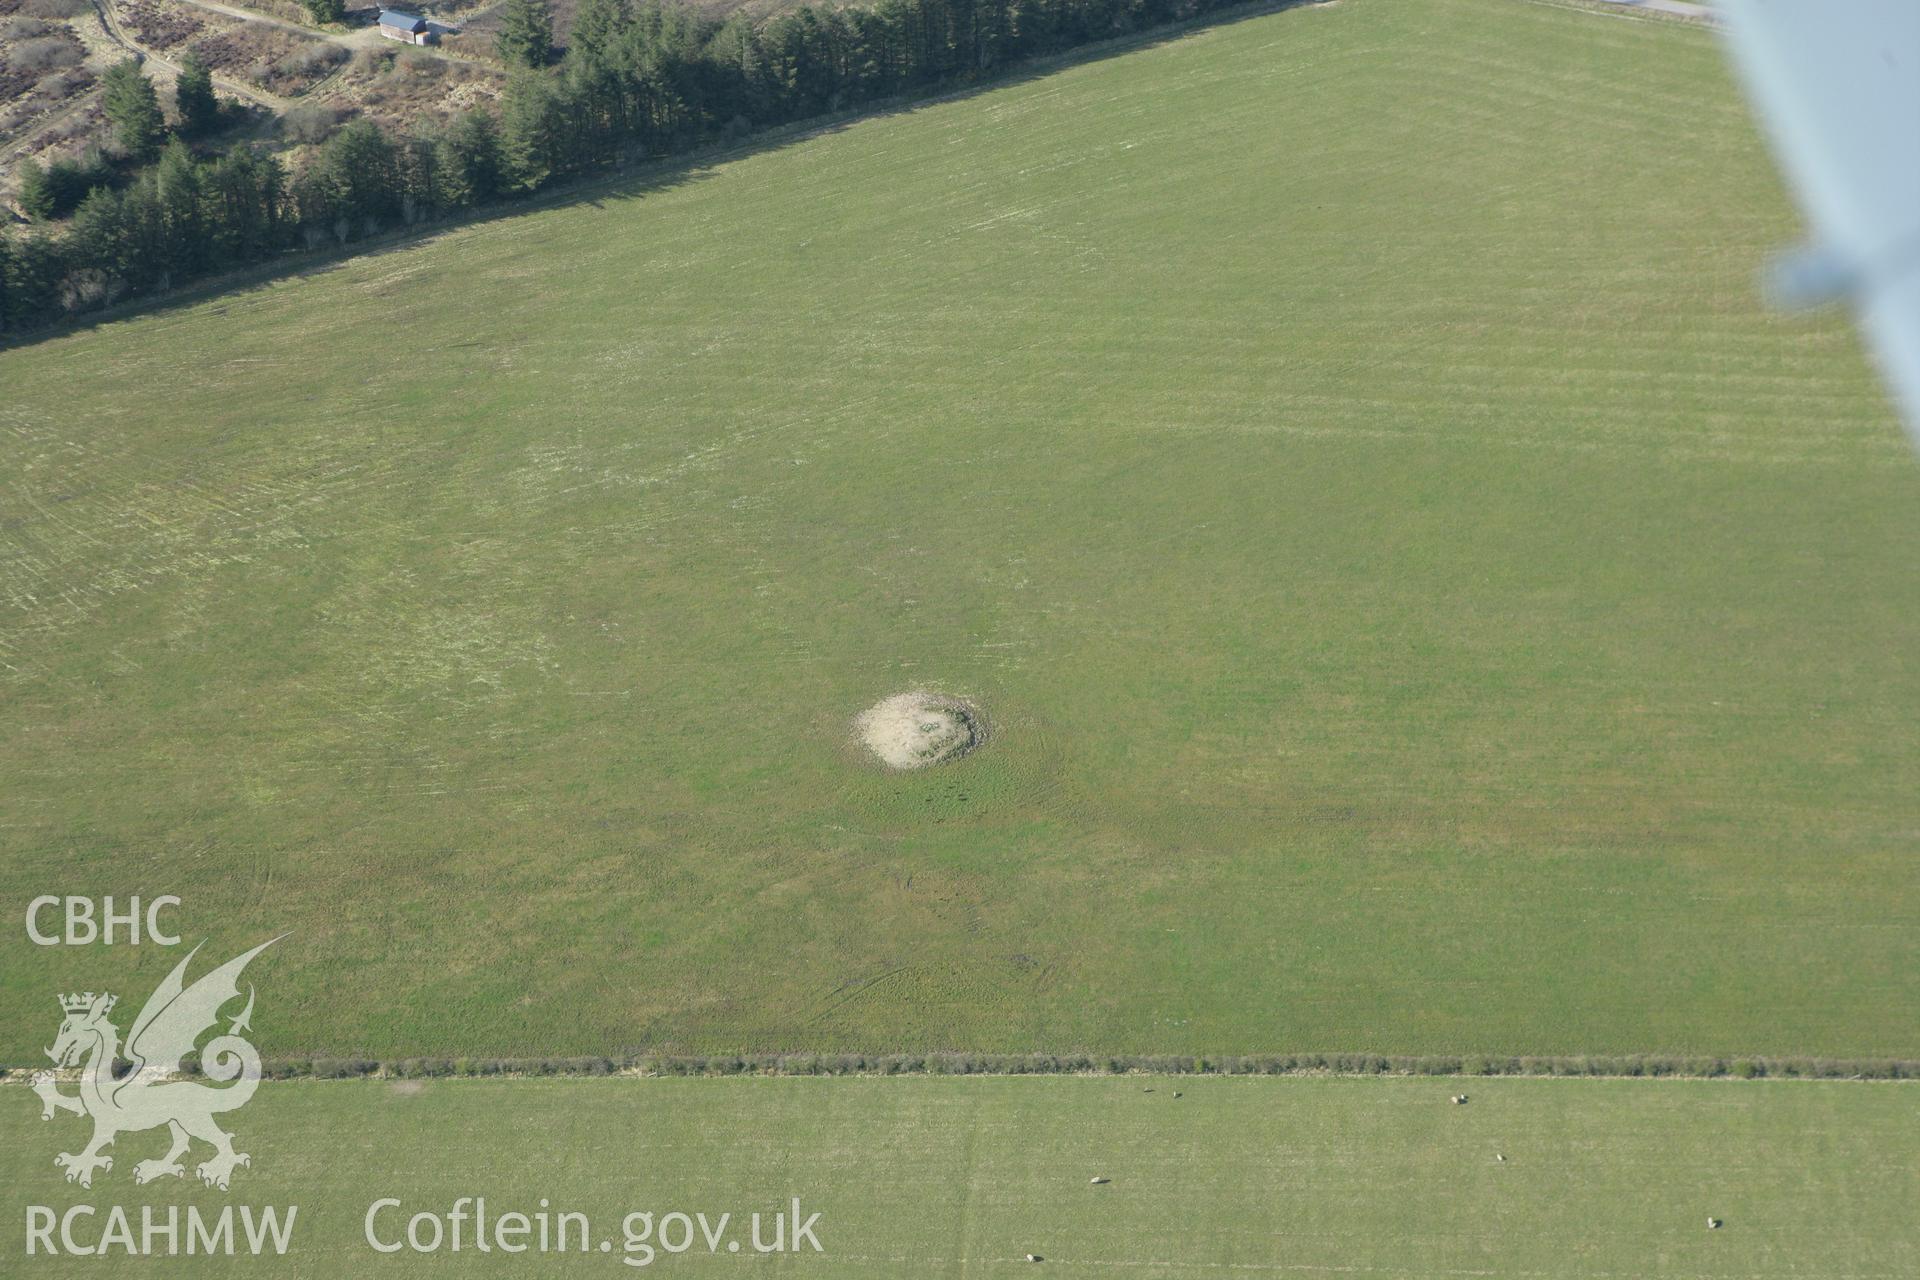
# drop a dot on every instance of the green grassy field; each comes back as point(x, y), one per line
point(965, 1176)
point(1423, 601)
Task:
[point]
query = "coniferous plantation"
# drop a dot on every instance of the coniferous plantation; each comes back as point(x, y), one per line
point(649, 80)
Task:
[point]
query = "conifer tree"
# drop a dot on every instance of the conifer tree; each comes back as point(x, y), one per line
point(131, 105)
point(193, 94)
point(526, 33)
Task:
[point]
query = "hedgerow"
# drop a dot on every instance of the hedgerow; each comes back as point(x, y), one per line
point(1051, 1064)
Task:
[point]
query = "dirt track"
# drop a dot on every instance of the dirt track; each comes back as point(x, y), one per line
point(119, 35)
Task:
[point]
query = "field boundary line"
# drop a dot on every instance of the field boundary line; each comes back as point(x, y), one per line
point(1112, 1066)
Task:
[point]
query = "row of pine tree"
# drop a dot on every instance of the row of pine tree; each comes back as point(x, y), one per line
point(651, 80)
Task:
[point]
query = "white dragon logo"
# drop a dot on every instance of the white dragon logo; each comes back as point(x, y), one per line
point(150, 1095)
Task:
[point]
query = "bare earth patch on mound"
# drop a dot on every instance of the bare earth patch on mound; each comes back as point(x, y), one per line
point(914, 730)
